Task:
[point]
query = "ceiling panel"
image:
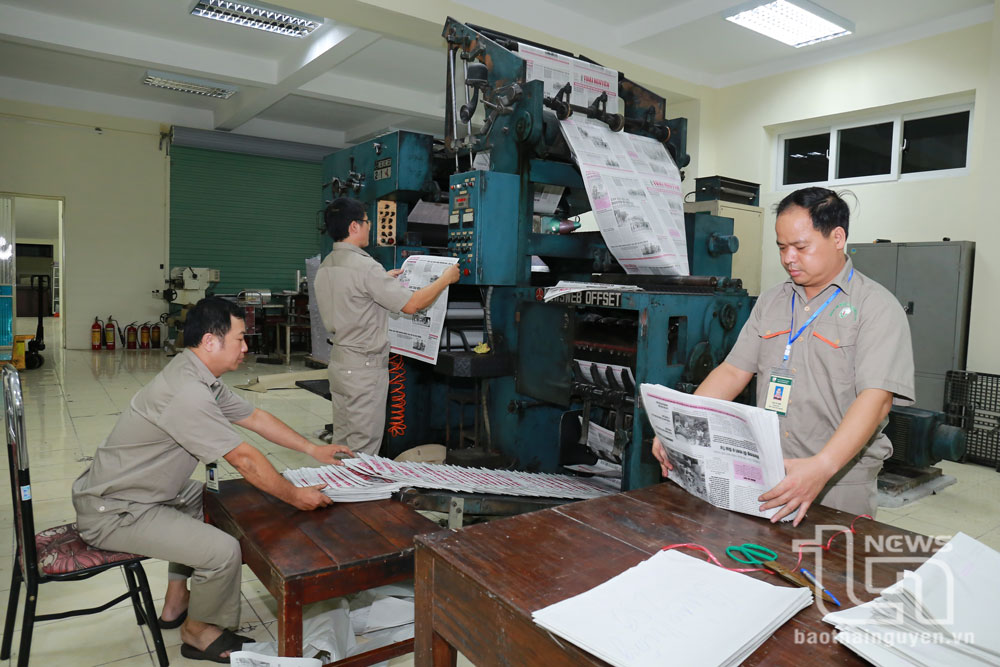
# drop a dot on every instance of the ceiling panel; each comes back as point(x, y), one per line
point(169, 19)
point(310, 111)
point(614, 13)
point(395, 63)
point(718, 47)
point(19, 61)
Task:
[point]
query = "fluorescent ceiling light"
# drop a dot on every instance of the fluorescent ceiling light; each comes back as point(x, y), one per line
point(797, 23)
point(188, 84)
point(256, 16)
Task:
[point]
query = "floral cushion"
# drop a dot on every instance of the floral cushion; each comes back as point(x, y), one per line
point(61, 550)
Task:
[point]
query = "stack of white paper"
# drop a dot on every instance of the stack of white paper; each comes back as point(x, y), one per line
point(944, 613)
point(674, 609)
point(373, 478)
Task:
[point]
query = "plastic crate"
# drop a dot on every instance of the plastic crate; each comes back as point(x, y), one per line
point(972, 402)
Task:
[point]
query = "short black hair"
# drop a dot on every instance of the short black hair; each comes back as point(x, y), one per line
point(339, 215)
point(210, 315)
point(826, 208)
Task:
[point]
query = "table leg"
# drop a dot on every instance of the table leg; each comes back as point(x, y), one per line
point(429, 648)
point(290, 623)
point(288, 344)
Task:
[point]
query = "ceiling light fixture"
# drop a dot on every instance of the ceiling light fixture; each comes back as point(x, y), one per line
point(797, 23)
point(187, 84)
point(260, 17)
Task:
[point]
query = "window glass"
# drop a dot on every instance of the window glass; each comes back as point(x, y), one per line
point(938, 142)
point(806, 160)
point(865, 151)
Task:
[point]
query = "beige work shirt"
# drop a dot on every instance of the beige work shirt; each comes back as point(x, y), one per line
point(355, 296)
point(860, 341)
point(181, 417)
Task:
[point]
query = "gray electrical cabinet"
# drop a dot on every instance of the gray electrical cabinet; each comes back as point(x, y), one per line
point(933, 282)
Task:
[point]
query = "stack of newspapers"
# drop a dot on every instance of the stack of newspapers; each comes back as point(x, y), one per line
point(373, 477)
point(674, 609)
point(344, 485)
point(943, 613)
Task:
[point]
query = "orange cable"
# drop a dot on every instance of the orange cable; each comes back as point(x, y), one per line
point(397, 396)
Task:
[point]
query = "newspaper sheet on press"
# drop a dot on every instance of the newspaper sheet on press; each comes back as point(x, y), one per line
point(634, 189)
point(419, 335)
point(725, 453)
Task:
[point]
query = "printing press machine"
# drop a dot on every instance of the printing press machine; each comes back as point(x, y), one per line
point(526, 397)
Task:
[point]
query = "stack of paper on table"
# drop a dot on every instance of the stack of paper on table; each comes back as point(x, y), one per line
point(944, 613)
point(474, 480)
point(674, 609)
point(343, 484)
point(373, 477)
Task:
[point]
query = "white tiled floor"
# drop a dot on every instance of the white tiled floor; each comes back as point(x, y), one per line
point(72, 402)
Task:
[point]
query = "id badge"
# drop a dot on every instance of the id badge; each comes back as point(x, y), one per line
point(212, 477)
point(779, 390)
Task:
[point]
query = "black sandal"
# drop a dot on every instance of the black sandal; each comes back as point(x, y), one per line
point(227, 641)
point(176, 623)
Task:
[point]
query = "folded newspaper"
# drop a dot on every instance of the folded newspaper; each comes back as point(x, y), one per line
point(725, 453)
point(372, 477)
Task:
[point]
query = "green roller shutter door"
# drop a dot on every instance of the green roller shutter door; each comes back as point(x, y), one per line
point(253, 218)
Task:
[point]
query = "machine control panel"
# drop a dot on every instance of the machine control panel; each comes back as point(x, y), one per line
point(385, 224)
point(482, 226)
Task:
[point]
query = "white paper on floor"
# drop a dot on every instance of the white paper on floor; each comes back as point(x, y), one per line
point(249, 659)
point(379, 617)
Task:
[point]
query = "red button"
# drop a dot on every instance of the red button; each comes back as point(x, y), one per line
point(466, 272)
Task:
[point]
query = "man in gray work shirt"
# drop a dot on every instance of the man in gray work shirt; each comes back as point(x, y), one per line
point(831, 351)
point(355, 296)
point(138, 495)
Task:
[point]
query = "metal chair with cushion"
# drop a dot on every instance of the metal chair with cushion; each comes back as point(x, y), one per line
point(57, 554)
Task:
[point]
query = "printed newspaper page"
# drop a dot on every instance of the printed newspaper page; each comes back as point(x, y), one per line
point(725, 453)
point(555, 70)
point(419, 335)
point(634, 189)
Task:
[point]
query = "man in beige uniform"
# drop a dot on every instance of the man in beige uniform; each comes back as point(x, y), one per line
point(849, 358)
point(138, 495)
point(355, 296)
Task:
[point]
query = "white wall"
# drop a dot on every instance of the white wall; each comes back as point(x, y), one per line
point(739, 126)
point(115, 216)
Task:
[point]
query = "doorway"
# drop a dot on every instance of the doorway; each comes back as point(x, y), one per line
point(38, 254)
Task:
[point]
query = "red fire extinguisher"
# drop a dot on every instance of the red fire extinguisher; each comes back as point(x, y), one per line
point(109, 334)
point(131, 336)
point(144, 336)
point(96, 334)
point(154, 335)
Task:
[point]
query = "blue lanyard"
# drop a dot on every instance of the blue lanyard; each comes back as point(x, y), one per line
point(791, 338)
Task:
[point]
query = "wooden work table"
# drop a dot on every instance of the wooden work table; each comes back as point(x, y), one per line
point(305, 557)
point(476, 588)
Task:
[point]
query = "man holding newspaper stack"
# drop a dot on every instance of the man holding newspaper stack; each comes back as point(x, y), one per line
point(831, 351)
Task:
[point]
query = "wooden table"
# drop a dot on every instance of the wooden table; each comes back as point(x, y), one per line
point(476, 588)
point(305, 557)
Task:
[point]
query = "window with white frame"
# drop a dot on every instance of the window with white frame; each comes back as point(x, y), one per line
point(877, 149)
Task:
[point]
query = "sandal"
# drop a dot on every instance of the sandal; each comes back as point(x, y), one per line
point(176, 623)
point(227, 641)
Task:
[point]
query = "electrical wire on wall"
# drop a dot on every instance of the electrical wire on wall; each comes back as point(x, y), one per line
point(397, 396)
